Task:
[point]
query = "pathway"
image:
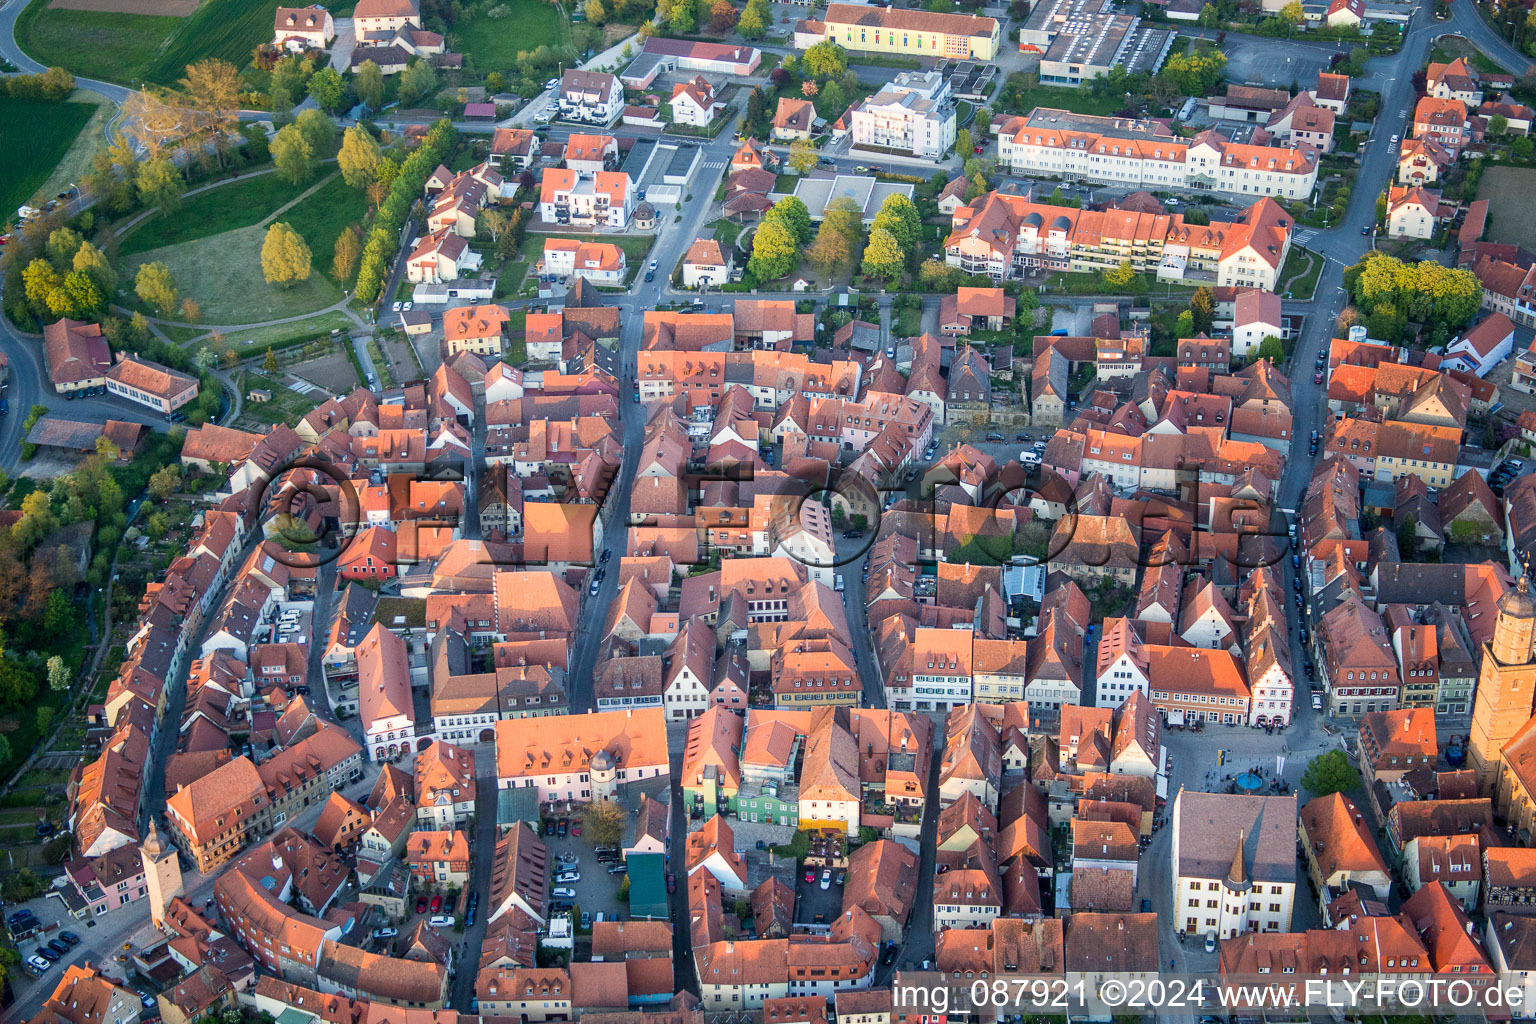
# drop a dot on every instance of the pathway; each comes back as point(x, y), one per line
point(123, 230)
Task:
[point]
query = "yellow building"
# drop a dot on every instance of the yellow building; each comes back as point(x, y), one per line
point(914, 33)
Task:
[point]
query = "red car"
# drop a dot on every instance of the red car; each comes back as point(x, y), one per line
point(671, 882)
point(1317, 378)
point(421, 904)
point(978, 150)
point(437, 904)
point(810, 874)
point(575, 828)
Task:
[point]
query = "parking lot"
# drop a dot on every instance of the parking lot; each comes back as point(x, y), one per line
point(815, 905)
point(598, 891)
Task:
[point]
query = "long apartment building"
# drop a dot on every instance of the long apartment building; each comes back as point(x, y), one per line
point(1143, 153)
point(1004, 235)
point(914, 33)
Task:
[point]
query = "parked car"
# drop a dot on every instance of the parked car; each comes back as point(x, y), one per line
point(39, 962)
point(70, 939)
point(810, 874)
point(437, 904)
point(564, 827)
point(650, 275)
point(826, 878)
point(549, 827)
point(1317, 378)
point(671, 882)
point(617, 869)
point(1317, 700)
point(58, 947)
point(576, 825)
point(385, 933)
point(563, 892)
point(421, 904)
point(842, 876)
point(441, 921)
point(568, 877)
point(1210, 942)
point(47, 954)
point(978, 150)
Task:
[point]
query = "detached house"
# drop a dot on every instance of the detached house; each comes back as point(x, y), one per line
point(599, 262)
point(793, 119)
point(705, 265)
point(694, 103)
point(303, 28)
point(987, 309)
point(590, 97)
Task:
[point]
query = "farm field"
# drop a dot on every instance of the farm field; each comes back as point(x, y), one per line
point(94, 44)
point(96, 39)
point(1511, 215)
point(50, 130)
point(492, 44)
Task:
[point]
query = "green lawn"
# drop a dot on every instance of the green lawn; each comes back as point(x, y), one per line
point(279, 334)
point(223, 273)
point(236, 205)
point(323, 216)
point(492, 44)
point(49, 130)
point(1079, 101)
point(1298, 278)
point(99, 44)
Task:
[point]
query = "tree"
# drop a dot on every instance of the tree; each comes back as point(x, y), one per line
point(1292, 14)
point(359, 157)
point(899, 216)
point(963, 144)
point(165, 482)
point(39, 280)
point(597, 14)
point(802, 156)
point(91, 261)
point(793, 214)
point(155, 286)
point(154, 123)
point(318, 130)
point(327, 88)
point(1184, 325)
point(37, 518)
point(293, 155)
point(722, 16)
point(1272, 349)
point(603, 823)
point(84, 299)
point(753, 23)
point(1119, 277)
point(285, 258)
point(685, 16)
point(159, 184)
point(417, 81)
point(491, 222)
point(349, 247)
point(269, 364)
point(844, 216)
point(62, 245)
point(369, 83)
point(58, 674)
point(825, 60)
point(883, 255)
point(774, 253)
point(1203, 305)
point(1330, 773)
point(1522, 147)
point(212, 86)
point(1498, 124)
point(106, 448)
point(1209, 17)
point(831, 252)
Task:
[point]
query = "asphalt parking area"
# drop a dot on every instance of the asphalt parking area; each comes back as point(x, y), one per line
point(597, 891)
point(815, 905)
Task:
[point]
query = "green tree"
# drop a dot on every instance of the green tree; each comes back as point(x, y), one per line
point(793, 214)
point(754, 20)
point(327, 88)
point(359, 157)
point(803, 156)
point(1119, 278)
point(157, 526)
point(1184, 325)
point(963, 143)
point(90, 260)
point(900, 217)
point(319, 131)
point(63, 243)
point(285, 258)
point(1203, 305)
point(85, 299)
point(685, 16)
point(831, 252)
point(349, 248)
point(774, 253)
point(1209, 17)
point(824, 60)
point(159, 184)
point(883, 255)
point(165, 481)
point(293, 155)
point(369, 83)
point(1498, 124)
point(59, 676)
point(1330, 773)
point(1522, 147)
point(155, 286)
point(269, 364)
point(1272, 348)
point(417, 81)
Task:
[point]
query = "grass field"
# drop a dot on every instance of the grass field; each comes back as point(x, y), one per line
point(1079, 100)
point(50, 130)
point(1298, 278)
point(323, 216)
point(236, 205)
point(492, 44)
point(127, 47)
point(223, 273)
point(259, 338)
point(96, 44)
point(1511, 214)
point(72, 168)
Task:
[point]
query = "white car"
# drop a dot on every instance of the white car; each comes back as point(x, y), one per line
point(384, 933)
point(826, 878)
point(1210, 942)
point(568, 876)
point(397, 307)
point(1030, 458)
point(1395, 139)
point(561, 892)
point(407, 306)
point(39, 962)
point(1317, 702)
point(552, 83)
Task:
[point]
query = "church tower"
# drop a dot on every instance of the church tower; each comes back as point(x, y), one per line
point(1507, 684)
point(162, 873)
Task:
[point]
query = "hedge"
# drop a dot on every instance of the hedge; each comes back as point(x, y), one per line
point(394, 210)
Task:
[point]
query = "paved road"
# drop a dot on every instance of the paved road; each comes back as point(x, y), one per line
point(13, 53)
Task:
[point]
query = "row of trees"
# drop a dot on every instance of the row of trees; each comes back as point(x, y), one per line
point(887, 253)
point(53, 84)
point(391, 215)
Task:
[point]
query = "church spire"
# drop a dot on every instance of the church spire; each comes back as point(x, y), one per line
point(1237, 878)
